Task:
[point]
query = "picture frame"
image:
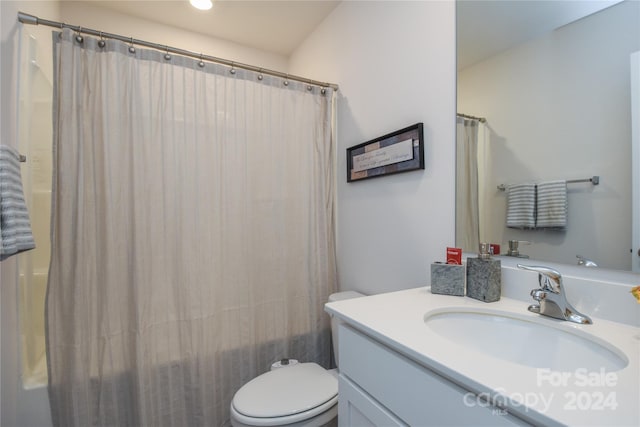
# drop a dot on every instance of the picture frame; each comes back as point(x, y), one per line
point(396, 152)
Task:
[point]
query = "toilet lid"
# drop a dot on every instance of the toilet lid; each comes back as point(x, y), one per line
point(286, 391)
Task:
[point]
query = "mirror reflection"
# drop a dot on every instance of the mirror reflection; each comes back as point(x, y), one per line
point(552, 80)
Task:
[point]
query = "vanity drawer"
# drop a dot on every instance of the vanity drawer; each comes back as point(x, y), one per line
point(414, 394)
point(357, 408)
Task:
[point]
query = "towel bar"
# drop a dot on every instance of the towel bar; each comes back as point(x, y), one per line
point(595, 180)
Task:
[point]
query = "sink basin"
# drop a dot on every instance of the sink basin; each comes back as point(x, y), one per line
point(533, 342)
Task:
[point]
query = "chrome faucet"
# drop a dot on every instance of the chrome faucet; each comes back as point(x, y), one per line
point(585, 261)
point(551, 296)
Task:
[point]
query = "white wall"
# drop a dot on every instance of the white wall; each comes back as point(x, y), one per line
point(395, 64)
point(558, 108)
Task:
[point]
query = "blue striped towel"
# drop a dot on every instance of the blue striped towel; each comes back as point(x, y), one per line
point(15, 228)
point(552, 205)
point(521, 206)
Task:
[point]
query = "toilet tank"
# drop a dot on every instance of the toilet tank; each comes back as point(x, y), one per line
point(338, 296)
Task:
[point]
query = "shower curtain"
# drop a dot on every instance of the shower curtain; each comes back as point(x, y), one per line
point(192, 234)
point(467, 199)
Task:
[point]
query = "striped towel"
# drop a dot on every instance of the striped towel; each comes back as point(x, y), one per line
point(521, 206)
point(552, 205)
point(15, 228)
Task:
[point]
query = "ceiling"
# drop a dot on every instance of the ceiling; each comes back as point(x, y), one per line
point(488, 27)
point(269, 25)
point(484, 27)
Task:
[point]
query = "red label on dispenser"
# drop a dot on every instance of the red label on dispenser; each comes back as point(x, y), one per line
point(454, 256)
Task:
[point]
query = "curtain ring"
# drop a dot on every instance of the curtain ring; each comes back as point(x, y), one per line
point(323, 90)
point(79, 37)
point(232, 70)
point(260, 76)
point(201, 62)
point(166, 55)
point(131, 48)
point(101, 42)
point(286, 82)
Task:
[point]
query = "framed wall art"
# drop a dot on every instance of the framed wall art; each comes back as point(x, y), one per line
point(400, 151)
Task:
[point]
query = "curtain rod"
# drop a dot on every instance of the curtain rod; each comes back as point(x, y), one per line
point(466, 116)
point(25, 18)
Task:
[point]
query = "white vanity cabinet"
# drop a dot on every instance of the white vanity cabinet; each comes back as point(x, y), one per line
point(380, 387)
point(397, 367)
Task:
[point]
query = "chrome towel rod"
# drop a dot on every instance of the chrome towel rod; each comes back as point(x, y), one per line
point(25, 18)
point(467, 116)
point(595, 180)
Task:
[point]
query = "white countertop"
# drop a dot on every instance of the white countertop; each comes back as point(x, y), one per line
point(396, 319)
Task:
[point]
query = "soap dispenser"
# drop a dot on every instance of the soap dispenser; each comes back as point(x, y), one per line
point(484, 276)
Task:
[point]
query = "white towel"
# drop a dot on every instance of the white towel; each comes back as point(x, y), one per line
point(521, 206)
point(15, 228)
point(552, 205)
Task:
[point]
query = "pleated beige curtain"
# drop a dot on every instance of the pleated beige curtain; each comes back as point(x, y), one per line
point(192, 234)
point(467, 199)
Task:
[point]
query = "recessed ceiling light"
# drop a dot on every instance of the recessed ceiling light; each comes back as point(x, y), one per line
point(201, 4)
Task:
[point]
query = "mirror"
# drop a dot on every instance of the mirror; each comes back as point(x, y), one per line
point(552, 80)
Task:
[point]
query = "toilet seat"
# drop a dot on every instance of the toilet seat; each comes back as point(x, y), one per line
point(285, 396)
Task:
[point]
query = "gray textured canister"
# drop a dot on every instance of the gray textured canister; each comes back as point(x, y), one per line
point(484, 276)
point(447, 279)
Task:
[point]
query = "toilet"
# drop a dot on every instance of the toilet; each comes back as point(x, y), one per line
point(302, 394)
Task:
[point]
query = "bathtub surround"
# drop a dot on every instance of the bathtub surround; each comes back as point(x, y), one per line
point(35, 131)
point(201, 243)
point(20, 406)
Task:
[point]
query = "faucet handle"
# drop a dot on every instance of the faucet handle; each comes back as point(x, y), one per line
point(549, 279)
point(538, 294)
point(585, 261)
